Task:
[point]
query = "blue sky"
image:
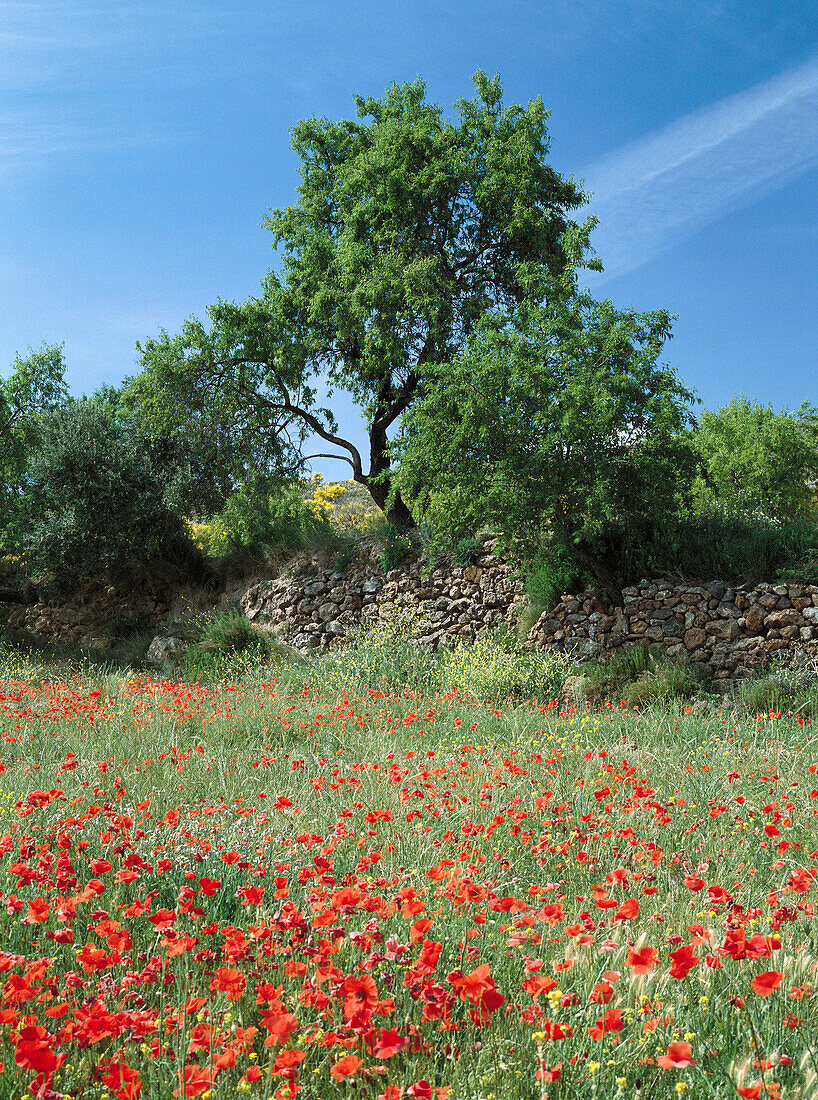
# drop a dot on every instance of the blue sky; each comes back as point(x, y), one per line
point(141, 142)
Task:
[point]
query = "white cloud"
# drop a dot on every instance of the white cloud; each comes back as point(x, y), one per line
point(655, 191)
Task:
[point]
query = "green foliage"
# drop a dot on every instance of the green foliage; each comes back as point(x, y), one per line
point(100, 498)
point(126, 624)
point(231, 632)
point(396, 546)
point(756, 462)
point(556, 418)
point(494, 668)
point(408, 228)
point(468, 550)
point(737, 549)
point(554, 571)
point(783, 688)
point(383, 656)
point(342, 561)
point(262, 519)
point(36, 386)
point(638, 676)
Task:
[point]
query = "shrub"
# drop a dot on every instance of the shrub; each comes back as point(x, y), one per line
point(636, 675)
point(756, 461)
point(231, 632)
point(468, 550)
point(788, 686)
point(397, 544)
point(381, 655)
point(493, 667)
point(552, 573)
point(732, 547)
point(100, 499)
point(262, 519)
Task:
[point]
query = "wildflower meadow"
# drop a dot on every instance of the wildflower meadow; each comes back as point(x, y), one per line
point(264, 888)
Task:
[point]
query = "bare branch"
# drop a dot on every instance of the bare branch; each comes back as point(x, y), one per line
point(288, 406)
point(340, 458)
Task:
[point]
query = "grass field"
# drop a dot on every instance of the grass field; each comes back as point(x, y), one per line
point(273, 887)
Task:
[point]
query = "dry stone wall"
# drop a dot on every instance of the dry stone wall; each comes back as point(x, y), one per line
point(319, 606)
point(733, 631)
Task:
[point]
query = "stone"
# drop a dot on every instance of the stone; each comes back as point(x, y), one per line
point(754, 619)
point(778, 619)
point(695, 638)
point(165, 649)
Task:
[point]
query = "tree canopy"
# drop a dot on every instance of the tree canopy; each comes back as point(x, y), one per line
point(559, 419)
point(102, 498)
point(409, 228)
point(756, 460)
point(35, 386)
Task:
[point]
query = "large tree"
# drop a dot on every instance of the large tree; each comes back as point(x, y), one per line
point(409, 227)
point(557, 421)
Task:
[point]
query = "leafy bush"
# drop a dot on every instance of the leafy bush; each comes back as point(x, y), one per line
point(262, 519)
point(552, 573)
point(101, 499)
point(732, 547)
point(124, 624)
point(756, 461)
point(227, 646)
point(468, 550)
point(638, 676)
point(383, 655)
point(558, 417)
point(231, 632)
point(791, 686)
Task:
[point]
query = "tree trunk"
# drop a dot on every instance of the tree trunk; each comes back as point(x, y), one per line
point(398, 513)
point(379, 464)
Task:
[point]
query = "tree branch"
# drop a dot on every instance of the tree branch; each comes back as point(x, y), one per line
point(316, 425)
point(340, 458)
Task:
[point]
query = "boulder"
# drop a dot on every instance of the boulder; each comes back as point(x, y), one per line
point(162, 650)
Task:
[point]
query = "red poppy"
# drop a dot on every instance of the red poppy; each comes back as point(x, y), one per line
point(345, 1067)
point(389, 1043)
point(683, 961)
point(122, 1080)
point(360, 995)
point(678, 1056)
point(642, 960)
point(33, 1051)
point(608, 1024)
point(628, 910)
point(195, 1081)
point(766, 984)
point(228, 981)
